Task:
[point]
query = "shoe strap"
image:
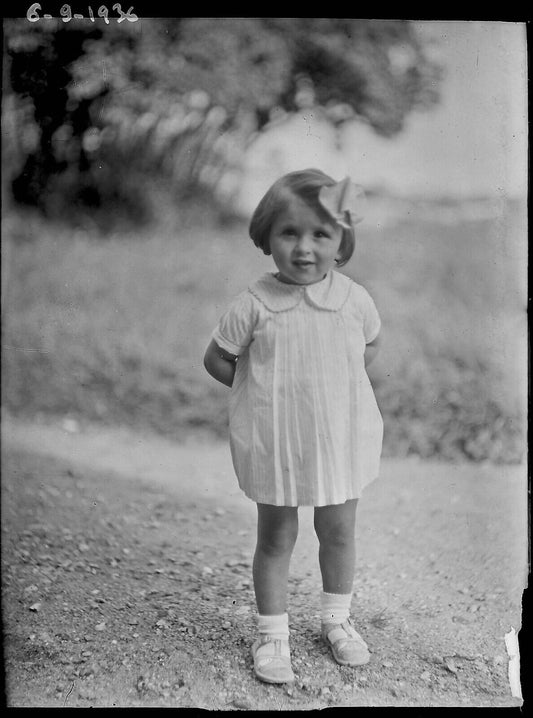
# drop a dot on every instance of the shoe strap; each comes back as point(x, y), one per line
point(344, 632)
point(271, 647)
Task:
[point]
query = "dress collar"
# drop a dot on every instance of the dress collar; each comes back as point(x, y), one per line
point(330, 293)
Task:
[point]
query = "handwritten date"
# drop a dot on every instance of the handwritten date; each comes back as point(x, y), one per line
point(67, 15)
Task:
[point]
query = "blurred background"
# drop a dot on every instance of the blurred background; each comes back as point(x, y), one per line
point(133, 154)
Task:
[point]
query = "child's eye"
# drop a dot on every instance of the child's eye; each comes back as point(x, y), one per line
point(321, 233)
point(288, 231)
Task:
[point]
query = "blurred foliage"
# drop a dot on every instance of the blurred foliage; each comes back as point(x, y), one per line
point(114, 332)
point(102, 116)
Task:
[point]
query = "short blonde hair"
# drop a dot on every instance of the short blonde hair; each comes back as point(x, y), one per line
point(305, 184)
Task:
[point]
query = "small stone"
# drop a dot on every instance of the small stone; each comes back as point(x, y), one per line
point(387, 664)
point(100, 626)
point(426, 676)
point(242, 703)
point(450, 665)
point(35, 606)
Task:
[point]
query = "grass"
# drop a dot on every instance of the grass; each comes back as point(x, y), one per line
point(114, 329)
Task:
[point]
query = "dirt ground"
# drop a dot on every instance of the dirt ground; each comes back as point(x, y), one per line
point(126, 571)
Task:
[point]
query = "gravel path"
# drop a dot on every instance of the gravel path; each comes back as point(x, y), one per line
point(126, 565)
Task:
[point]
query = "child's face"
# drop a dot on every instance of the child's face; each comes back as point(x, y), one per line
point(304, 244)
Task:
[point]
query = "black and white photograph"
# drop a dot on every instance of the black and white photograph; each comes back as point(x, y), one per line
point(264, 406)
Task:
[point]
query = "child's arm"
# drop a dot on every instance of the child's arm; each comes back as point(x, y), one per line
point(372, 349)
point(220, 363)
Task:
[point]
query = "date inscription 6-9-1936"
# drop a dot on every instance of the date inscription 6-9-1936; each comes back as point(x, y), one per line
point(67, 15)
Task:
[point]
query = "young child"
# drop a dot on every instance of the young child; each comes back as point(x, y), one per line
point(305, 429)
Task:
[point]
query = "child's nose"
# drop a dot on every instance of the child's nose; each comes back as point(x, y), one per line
point(304, 243)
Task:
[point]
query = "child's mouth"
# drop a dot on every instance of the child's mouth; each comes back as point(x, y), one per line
point(303, 263)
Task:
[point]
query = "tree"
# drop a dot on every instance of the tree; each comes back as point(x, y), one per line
point(180, 98)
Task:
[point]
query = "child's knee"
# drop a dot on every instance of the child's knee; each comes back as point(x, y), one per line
point(277, 544)
point(338, 536)
point(330, 532)
point(277, 538)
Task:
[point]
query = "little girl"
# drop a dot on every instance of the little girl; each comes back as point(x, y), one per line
point(305, 429)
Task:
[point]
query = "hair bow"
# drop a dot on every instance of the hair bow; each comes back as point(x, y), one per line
point(342, 201)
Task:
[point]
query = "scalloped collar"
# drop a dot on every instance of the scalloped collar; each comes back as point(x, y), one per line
point(330, 293)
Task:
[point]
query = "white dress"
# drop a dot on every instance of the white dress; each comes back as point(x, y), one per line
point(305, 428)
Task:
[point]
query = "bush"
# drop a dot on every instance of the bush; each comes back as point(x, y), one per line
point(114, 330)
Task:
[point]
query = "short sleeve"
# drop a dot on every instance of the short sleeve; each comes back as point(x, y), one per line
point(235, 328)
point(371, 319)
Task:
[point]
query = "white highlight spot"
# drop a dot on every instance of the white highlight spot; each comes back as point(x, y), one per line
point(511, 644)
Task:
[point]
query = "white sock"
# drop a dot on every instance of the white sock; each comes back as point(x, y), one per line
point(275, 626)
point(335, 607)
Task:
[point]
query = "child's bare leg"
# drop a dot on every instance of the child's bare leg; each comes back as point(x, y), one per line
point(335, 528)
point(277, 530)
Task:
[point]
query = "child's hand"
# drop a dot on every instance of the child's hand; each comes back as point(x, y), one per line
point(220, 363)
point(371, 350)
